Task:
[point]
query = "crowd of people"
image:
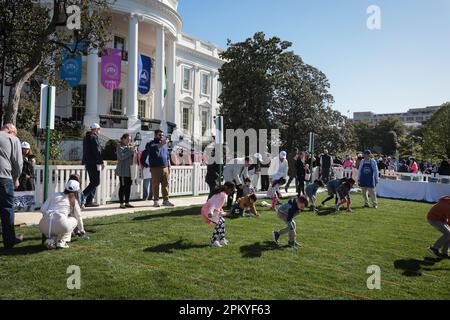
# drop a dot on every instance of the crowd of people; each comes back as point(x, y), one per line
point(233, 185)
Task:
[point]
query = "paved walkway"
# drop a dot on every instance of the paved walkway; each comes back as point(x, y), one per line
point(33, 218)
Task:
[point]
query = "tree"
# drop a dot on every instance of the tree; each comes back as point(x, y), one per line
point(364, 132)
point(248, 80)
point(436, 142)
point(34, 36)
point(265, 86)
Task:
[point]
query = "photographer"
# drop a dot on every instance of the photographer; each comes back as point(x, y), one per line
point(125, 154)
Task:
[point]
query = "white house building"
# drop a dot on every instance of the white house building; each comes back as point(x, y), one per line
point(183, 65)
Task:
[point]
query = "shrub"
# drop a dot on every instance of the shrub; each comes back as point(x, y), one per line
point(109, 152)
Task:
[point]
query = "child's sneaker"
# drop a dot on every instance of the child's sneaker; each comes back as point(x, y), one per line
point(349, 210)
point(275, 236)
point(336, 208)
point(62, 245)
point(435, 252)
point(294, 244)
point(224, 242)
point(216, 244)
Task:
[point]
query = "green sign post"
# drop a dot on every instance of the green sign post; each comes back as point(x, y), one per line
point(47, 116)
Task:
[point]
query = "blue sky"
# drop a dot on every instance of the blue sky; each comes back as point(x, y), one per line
point(406, 64)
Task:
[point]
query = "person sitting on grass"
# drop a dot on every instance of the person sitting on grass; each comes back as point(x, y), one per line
point(61, 215)
point(311, 192)
point(246, 203)
point(248, 187)
point(213, 213)
point(439, 218)
point(286, 213)
point(343, 192)
point(274, 192)
point(332, 190)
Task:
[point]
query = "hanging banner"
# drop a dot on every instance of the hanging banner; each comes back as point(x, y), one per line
point(144, 74)
point(71, 67)
point(111, 68)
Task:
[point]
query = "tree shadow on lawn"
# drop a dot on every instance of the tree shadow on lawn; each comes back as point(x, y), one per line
point(413, 267)
point(256, 250)
point(171, 247)
point(194, 211)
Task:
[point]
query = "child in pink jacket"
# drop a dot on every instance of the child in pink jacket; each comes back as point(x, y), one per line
point(213, 213)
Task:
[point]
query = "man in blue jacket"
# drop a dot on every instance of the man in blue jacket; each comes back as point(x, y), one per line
point(368, 179)
point(92, 159)
point(159, 158)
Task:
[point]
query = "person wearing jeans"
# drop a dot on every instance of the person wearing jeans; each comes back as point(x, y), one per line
point(158, 150)
point(368, 179)
point(11, 163)
point(125, 154)
point(92, 159)
point(146, 176)
point(439, 218)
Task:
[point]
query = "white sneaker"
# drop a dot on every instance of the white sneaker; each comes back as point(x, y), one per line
point(61, 245)
point(156, 204)
point(224, 242)
point(216, 244)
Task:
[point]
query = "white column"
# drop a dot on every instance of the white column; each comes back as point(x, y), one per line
point(91, 114)
point(196, 107)
point(132, 104)
point(159, 92)
point(214, 97)
point(171, 69)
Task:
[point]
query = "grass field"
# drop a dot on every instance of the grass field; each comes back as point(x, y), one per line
point(165, 255)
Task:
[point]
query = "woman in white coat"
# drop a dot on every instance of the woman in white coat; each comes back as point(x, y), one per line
point(61, 215)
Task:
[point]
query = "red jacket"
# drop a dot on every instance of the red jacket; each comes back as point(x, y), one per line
point(441, 210)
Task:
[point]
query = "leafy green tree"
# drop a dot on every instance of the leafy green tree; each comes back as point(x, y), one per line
point(266, 86)
point(436, 141)
point(364, 132)
point(34, 35)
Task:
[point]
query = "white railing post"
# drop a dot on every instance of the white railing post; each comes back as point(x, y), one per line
point(195, 179)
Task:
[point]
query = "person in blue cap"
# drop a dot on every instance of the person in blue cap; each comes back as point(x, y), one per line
point(368, 179)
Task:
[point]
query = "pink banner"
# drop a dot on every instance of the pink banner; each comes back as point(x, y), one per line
point(111, 68)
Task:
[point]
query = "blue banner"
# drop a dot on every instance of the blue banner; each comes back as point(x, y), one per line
point(71, 67)
point(144, 74)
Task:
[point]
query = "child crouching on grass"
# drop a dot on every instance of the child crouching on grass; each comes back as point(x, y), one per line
point(439, 218)
point(245, 203)
point(213, 213)
point(286, 213)
point(311, 192)
point(343, 192)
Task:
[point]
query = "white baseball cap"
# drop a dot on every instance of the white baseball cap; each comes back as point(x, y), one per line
point(26, 145)
point(258, 156)
point(95, 126)
point(283, 154)
point(72, 186)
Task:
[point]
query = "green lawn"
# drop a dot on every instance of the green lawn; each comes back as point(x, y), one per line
point(165, 255)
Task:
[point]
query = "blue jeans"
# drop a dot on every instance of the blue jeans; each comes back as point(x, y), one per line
point(148, 193)
point(94, 182)
point(7, 212)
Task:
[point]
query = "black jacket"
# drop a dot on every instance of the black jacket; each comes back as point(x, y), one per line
point(300, 169)
point(92, 150)
point(213, 173)
point(27, 170)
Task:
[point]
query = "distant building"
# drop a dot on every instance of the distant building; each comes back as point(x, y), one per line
point(414, 116)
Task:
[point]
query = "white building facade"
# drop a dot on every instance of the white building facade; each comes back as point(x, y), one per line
point(184, 78)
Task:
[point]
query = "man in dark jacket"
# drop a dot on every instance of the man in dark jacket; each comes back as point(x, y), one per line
point(326, 162)
point(92, 159)
point(213, 177)
point(158, 150)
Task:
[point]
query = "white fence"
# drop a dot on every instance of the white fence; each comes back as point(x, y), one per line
point(184, 180)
